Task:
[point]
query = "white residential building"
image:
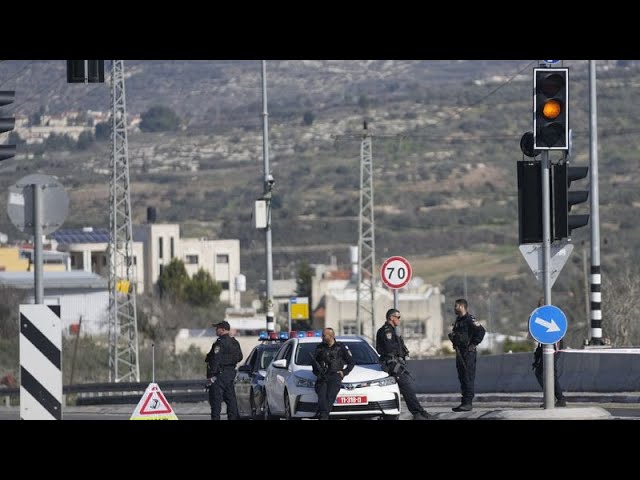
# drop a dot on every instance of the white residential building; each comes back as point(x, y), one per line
point(154, 246)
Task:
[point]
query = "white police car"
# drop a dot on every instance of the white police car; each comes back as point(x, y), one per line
point(367, 391)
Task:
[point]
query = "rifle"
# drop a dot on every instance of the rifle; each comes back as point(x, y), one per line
point(322, 372)
point(397, 366)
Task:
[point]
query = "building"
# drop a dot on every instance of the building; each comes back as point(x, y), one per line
point(161, 243)
point(154, 246)
point(20, 259)
point(83, 297)
point(335, 298)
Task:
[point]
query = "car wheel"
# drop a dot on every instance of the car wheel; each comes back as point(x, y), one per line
point(257, 413)
point(287, 408)
point(390, 417)
point(267, 411)
point(252, 406)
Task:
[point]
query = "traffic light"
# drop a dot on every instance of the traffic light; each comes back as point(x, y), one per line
point(7, 124)
point(81, 71)
point(563, 200)
point(529, 202)
point(551, 108)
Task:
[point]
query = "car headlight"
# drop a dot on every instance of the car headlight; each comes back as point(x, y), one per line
point(304, 382)
point(383, 382)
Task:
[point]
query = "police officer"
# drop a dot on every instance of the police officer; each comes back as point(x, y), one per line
point(467, 333)
point(393, 353)
point(332, 361)
point(221, 361)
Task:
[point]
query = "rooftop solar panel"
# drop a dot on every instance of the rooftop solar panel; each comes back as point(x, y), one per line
point(77, 235)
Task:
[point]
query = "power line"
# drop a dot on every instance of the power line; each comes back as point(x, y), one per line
point(17, 73)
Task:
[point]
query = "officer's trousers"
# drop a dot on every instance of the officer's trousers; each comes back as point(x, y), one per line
point(466, 367)
point(224, 389)
point(327, 390)
point(408, 391)
point(539, 371)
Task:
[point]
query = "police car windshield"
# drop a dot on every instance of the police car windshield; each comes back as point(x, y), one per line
point(362, 353)
point(266, 358)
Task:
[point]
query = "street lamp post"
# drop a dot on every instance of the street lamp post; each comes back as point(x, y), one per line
point(268, 187)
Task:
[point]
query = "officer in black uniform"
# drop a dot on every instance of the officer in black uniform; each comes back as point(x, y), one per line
point(393, 353)
point(467, 333)
point(221, 361)
point(332, 361)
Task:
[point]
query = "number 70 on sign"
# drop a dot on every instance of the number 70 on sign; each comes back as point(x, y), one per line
point(395, 272)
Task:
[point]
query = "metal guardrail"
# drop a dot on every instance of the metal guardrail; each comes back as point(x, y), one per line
point(123, 393)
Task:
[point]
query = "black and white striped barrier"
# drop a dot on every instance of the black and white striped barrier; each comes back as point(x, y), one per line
point(40, 362)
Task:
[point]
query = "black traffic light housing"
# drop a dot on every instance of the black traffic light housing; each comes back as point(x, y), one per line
point(551, 109)
point(526, 145)
point(7, 124)
point(529, 202)
point(77, 73)
point(563, 200)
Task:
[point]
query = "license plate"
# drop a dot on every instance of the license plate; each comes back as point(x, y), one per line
point(352, 400)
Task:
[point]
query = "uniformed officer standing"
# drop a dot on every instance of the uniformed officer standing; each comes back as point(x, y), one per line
point(221, 361)
point(393, 353)
point(332, 361)
point(467, 333)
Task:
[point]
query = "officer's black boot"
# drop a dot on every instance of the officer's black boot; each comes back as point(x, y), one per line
point(463, 407)
point(423, 415)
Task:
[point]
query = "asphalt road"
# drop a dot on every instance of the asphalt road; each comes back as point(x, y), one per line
point(200, 411)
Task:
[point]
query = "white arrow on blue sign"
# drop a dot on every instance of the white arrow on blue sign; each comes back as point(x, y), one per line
point(548, 324)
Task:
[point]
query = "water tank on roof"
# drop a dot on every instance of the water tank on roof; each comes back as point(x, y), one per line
point(241, 283)
point(151, 215)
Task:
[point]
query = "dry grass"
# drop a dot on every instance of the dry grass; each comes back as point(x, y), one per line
point(486, 264)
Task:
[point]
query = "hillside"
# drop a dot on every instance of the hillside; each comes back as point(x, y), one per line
point(444, 164)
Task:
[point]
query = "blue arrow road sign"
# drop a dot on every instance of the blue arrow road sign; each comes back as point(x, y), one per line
point(548, 324)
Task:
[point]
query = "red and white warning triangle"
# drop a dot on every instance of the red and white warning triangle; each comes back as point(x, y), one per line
point(153, 406)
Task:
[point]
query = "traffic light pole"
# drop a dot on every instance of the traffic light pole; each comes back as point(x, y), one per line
point(596, 312)
point(547, 350)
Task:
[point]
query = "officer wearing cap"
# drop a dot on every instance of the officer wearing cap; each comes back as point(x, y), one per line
point(221, 361)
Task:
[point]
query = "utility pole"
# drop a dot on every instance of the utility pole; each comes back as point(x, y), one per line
point(596, 312)
point(268, 187)
point(123, 325)
point(365, 308)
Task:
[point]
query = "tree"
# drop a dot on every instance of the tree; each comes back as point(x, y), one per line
point(202, 291)
point(103, 131)
point(304, 281)
point(159, 119)
point(173, 281)
point(308, 118)
point(620, 290)
point(363, 101)
point(85, 140)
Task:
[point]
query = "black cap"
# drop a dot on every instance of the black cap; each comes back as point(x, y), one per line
point(223, 324)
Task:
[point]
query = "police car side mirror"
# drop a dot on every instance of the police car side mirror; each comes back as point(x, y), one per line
point(282, 363)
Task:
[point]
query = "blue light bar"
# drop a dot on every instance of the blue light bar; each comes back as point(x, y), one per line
point(284, 335)
point(263, 336)
point(318, 333)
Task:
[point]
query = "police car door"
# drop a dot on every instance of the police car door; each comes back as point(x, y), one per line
point(243, 383)
point(277, 376)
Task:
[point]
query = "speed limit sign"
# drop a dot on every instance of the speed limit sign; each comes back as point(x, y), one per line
point(395, 272)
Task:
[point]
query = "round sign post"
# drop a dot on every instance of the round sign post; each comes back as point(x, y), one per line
point(38, 205)
point(395, 274)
